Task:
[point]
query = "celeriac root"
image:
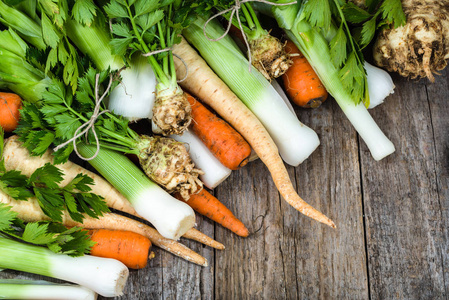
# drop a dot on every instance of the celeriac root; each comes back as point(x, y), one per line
point(421, 47)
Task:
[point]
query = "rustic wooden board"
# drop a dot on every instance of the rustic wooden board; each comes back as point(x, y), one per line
point(406, 225)
point(391, 241)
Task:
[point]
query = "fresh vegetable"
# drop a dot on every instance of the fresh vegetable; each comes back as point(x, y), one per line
point(266, 52)
point(206, 85)
point(129, 247)
point(224, 141)
point(213, 171)
point(301, 83)
point(380, 84)
point(209, 206)
point(43, 290)
point(420, 47)
point(63, 116)
point(29, 211)
point(146, 26)
point(105, 276)
point(18, 158)
point(295, 141)
point(41, 232)
point(16, 73)
point(336, 59)
point(172, 218)
point(10, 105)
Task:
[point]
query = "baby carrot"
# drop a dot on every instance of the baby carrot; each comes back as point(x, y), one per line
point(207, 205)
point(10, 105)
point(301, 83)
point(129, 247)
point(227, 145)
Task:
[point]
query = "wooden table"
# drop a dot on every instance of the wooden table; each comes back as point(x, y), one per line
point(392, 239)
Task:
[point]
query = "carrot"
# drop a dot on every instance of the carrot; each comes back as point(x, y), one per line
point(10, 105)
point(206, 204)
point(129, 247)
point(18, 158)
point(227, 145)
point(301, 83)
point(206, 85)
point(30, 211)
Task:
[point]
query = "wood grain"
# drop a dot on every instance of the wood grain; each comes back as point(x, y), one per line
point(405, 236)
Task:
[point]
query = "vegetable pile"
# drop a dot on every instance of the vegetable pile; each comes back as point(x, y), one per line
point(163, 100)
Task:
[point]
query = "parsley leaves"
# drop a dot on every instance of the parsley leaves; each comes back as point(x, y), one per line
point(44, 185)
point(74, 241)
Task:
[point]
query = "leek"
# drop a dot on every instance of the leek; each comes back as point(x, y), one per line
point(313, 42)
point(171, 217)
point(43, 290)
point(105, 276)
point(294, 140)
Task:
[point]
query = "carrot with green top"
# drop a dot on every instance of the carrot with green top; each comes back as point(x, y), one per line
point(227, 145)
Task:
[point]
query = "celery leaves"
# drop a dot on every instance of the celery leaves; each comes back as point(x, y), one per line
point(366, 21)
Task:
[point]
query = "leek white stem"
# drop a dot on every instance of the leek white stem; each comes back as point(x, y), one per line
point(134, 97)
point(43, 290)
point(105, 276)
point(380, 84)
point(171, 217)
point(214, 171)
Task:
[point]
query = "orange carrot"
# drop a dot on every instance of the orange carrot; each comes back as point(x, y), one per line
point(227, 145)
point(10, 105)
point(301, 83)
point(206, 204)
point(129, 247)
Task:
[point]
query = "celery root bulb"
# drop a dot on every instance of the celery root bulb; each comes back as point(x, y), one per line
point(168, 163)
point(269, 56)
point(172, 112)
point(421, 47)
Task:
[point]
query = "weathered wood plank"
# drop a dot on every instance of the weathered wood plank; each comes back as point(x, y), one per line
point(403, 213)
point(292, 256)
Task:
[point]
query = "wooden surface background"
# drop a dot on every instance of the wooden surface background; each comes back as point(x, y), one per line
point(392, 239)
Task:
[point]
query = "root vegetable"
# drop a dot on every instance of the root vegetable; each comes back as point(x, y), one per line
point(129, 247)
point(29, 211)
point(224, 141)
point(207, 205)
point(16, 157)
point(421, 47)
point(301, 83)
point(10, 105)
point(206, 85)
